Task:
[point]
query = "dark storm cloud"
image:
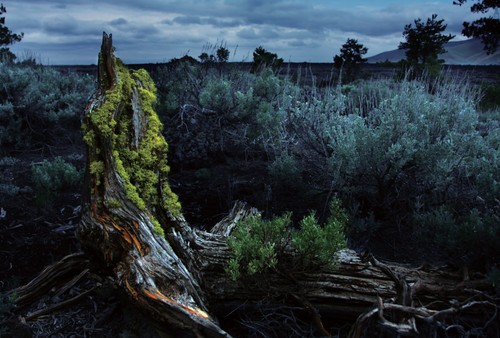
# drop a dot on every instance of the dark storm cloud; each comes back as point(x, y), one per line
point(65, 25)
point(118, 22)
point(198, 20)
point(285, 14)
point(289, 26)
point(263, 34)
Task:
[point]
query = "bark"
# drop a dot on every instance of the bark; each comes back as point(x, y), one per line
point(179, 279)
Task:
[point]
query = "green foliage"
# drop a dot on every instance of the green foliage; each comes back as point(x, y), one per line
point(407, 153)
point(256, 244)
point(490, 99)
point(424, 42)
point(286, 170)
point(459, 233)
point(197, 107)
point(317, 245)
point(38, 106)
point(218, 54)
point(7, 38)
point(391, 150)
point(52, 177)
point(259, 245)
point(485, 28)
point(217, 96)
point(265, 59)
point(8, 188)
point(351, 55)
point(157, 228)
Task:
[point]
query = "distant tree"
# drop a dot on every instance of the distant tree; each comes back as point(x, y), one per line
point(486, 28)
point(351, 55)
point(424, 42)
point(222, 54)
point(264, 59)
point(7, 38)
point(205, 58)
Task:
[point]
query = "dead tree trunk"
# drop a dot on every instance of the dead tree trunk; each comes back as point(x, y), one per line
point(132, 225)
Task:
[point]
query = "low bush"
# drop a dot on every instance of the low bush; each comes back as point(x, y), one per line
point(396, 152)
point(50, 178)
point(317, 245)
point(403, 158)
point(39, 105)
point(258, 245)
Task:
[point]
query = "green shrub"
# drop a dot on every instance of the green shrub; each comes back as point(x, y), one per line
point(392, 151)
point(316, 244)
point(490, 99)
point(53, 177)
point(285, 170)
point(259, 245)
point(256, 244)
point(8, 187)
point(40, 105)
point(217, 96)
point(459, 233)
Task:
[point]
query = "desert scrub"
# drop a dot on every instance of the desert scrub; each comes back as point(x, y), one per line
point(258, 245)
point(317, 245)
point(39, 105)
point(127, 119)
point(51, 177)
point(7, 188)
point(403, 153)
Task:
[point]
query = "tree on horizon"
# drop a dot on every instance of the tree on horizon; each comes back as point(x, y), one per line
point(7, 38)
point(351, 55)
point(487, 28)
point(425, 42)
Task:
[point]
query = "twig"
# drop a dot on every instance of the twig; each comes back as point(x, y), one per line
point(59, 305)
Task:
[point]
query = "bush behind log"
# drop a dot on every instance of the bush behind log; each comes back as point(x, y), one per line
point(396, 152)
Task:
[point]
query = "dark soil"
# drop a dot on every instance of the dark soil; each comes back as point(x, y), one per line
point(34, 235)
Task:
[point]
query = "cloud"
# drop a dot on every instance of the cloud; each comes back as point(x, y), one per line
point(61, 25)
point(119, 22)
point(300, 29)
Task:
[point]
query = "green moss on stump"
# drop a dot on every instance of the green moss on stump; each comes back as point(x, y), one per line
point(142, 166)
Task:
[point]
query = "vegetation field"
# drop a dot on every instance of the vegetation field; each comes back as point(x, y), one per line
point(412, 161)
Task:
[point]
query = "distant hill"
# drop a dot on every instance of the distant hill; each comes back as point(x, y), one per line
point(466, 52)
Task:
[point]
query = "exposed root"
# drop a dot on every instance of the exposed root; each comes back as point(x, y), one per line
point(50, 277)
point(471, 317)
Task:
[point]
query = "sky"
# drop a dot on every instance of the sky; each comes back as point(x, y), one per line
point(69, 32)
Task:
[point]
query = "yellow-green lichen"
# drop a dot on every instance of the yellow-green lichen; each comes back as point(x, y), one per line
point(130, 189)
point(96, 169)
point(157, 227)
point(88, 136)
point(113, 203)
point(139, 151)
